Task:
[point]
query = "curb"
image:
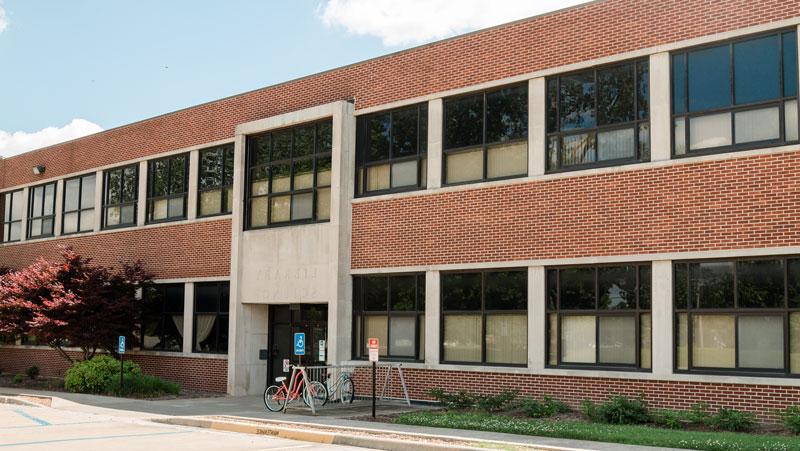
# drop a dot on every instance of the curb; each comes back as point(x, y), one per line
point(25, 399)
point(347, 436)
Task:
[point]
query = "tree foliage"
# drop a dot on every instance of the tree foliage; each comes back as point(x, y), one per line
point(73, 302)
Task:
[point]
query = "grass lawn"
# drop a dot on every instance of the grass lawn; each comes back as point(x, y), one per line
point(632, 435)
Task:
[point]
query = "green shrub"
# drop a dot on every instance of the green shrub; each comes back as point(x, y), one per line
point(617, 410)
point(497, 403)
point(459, 401)
point(671, 419)
point(699, 413)
point(19, 378)
point(791, 418)
point(547, 407)
point(733, 420)
point(91, 376)
point(32, 372)
point(141, 386)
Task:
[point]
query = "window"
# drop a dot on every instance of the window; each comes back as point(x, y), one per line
point(166, 188)
point(391, 309)
point(12, 208)
point(485, 317)
point(120, 196)
point(78, 213)
point(486, 135)
point(289, 175)
point(41, 210)
point(392, 148)
point(211, 306)
point(162, 322)
point(738, 316)
point(599, 316)
point(216, 181)
point(598, 117)
point(737, 95)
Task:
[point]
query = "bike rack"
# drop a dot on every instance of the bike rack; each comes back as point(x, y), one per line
point(305, 378)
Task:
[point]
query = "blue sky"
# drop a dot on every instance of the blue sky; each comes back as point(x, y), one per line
point(108, 63)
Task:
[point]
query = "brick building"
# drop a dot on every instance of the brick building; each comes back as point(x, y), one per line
point(599, 200)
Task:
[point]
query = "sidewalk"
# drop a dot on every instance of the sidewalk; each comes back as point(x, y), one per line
point(247, 414)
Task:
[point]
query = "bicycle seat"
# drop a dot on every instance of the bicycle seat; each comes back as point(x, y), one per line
point(280, 379)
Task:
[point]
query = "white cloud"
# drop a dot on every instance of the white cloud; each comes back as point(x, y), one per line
point(18, 142)
point(417, 21)
point(3, 19)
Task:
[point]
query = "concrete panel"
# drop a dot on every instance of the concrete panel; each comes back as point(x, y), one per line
point(536, 126)
point(98, 201)
point(432, 316)
point(660, 109)
point(662, 318)
point(141, 204)
point(194, 173)
point(537, 318)
point(435, 118)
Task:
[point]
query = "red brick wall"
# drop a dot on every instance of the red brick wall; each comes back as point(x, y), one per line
point(200, 249)
point(740, 203)
point(192, 373)
point(762, 400)
point(591, 31)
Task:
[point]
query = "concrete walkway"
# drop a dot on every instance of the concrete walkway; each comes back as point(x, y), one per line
point(251, 407)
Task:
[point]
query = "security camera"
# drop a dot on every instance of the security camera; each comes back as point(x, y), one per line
point(38, 169)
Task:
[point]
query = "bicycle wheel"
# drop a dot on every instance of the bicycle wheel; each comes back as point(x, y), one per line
point(274, 399)
point(347, 391)
point(315, 392)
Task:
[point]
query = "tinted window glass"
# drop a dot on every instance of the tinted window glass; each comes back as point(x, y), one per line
point(507, 290)
point(645, 287)
point(794, 283)
point(552, 288)
point(756, 69)
point(507, 114)
point(463, 121)
point(461, 291)
point(617, 287)
point(403, 293)
point(679, 83)
point(577, 288)
point(615, 94)
point(206, 297)
point(404, 132)
point(790, 64)
point(375, 293)
point(760, 283)
point(379, 128)
point(577, 101)
point(711, 285)
point(552, 105)
point(709, 78)
point(643, 86)
point(681, 275)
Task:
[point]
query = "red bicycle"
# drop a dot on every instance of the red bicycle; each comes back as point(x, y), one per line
point(276, 397)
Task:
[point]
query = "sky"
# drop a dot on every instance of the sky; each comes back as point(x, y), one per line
point(73, 68)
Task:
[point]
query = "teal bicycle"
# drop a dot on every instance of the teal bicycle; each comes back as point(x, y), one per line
point(343, 389)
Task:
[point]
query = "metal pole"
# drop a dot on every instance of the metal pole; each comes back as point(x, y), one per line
point(121, 369)
point(373, 389)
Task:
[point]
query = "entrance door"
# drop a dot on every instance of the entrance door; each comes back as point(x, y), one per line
point(284, 322)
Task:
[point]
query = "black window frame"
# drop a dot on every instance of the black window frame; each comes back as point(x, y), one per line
point(319, 154)
point(42, 216)
point(636, 124)
point(221, 315)
point(363, 144)
point(226, 186)
point(64, 212)
point(686, 115)
point(484, 144)
point(736, 312)
point(360, 314)
point(9, 205)
point(483, 312)
point(120, 203)
point(151, 199)
point(554, 307)
point(159, 298)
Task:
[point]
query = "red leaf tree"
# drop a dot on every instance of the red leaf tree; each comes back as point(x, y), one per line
point(73, 302)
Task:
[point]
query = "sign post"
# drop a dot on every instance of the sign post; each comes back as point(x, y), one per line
point(373, 357)
point(121, 352)
point(299, 346)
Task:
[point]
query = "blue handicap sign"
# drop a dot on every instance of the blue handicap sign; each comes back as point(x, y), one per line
point(299, 343)
point(121, 349)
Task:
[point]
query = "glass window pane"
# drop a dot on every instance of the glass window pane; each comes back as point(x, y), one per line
point(15, 232)
point(646, 340)
point(645, 287)
point(112, 216)
point(552, 105)
point(709, 78)
point(577, 288)
point(508, 159)
point(711, 285)
point(578, 339)
point(87, 220)
point(404, 174)
point(617, 335)
point(280, 178)
point(49, 199)
point(790, 64)
point(713, 341)
point(323, 204)
point(679, 83)
point(377, 326)
point(375, 293)
point(578, 149)
point(710, 131)
point(205, 333)
point(463, 122)
point(462, 338)
point(128, 214)
point(159, 209)
point(761, 342)
point(17, 207)
point(794, 342)
point(324, 171)
point(258, 212)
point(206, 297)
point(552, 345)
point(87, 192)
point(616, 144)
point(38, 201)
point(643, 94)
point(790, 119)
point(36, 227)
point(757, 125)
point(210, 202)
point(421, 328)
point(279, 207)
point(680, 136)
point(757, 69)
point(760, 283)
point(259, 182)
point(281, 145)
point(70, 222)
point(71, 192)
point(506, 290)
point(423, 172)
point(258, 148)
point(464, 166)
point(302, 206)
point(47, 226)
point(507, 339)
point(177, 175)
point(175, 207)
point(402, 330)
point(379, 129)
point(378, 177)
point(211, 168)
point(404, 132)
point(617, 286)
point(507, 114)
point(616, 93)
point(683, 342)
point(303, 141)
point(644, 142)
point(130, 188)
point(403, 293)
point(577, 99)
point(794, 282)
point(461, 291)
point(552, 289)
point(324, 136)
point(303, 174)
